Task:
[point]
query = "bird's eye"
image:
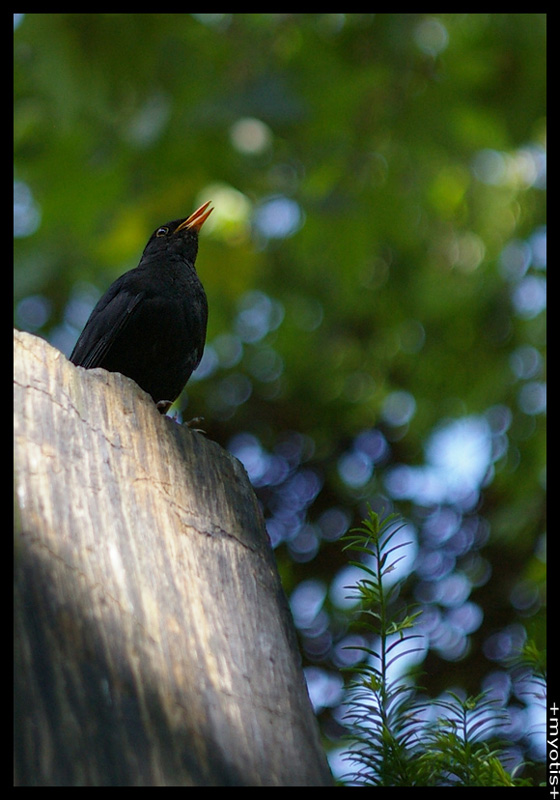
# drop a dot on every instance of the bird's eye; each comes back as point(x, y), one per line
point(163, 231)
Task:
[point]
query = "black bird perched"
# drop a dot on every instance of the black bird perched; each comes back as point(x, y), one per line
point(151, 323)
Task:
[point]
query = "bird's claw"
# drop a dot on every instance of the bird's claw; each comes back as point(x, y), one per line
point(192, 423)
point(163, 406)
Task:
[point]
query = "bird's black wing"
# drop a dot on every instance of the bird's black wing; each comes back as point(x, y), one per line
point(108, 319)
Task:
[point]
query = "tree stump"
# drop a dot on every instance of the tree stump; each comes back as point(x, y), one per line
point(153, 643)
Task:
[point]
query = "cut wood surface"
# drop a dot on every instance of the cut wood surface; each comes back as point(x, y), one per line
point(153, 641)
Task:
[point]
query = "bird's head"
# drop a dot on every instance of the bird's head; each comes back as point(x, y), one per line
point(181, 235)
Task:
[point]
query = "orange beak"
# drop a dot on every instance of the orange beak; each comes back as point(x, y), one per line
point(197, 219)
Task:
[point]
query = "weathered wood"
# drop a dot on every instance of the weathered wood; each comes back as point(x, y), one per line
point(153, 642)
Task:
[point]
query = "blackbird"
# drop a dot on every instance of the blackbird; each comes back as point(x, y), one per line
point(151, 323)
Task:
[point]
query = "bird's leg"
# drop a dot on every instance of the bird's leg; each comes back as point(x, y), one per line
point(163, 407)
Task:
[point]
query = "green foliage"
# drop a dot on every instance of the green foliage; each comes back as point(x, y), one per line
point(379, 714)
point(397, 291)
point(392, 740)
point(451, 753)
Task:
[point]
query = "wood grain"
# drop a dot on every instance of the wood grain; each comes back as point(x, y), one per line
point(154, 644)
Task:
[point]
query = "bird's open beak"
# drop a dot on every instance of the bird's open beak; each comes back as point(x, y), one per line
point(197, 219)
